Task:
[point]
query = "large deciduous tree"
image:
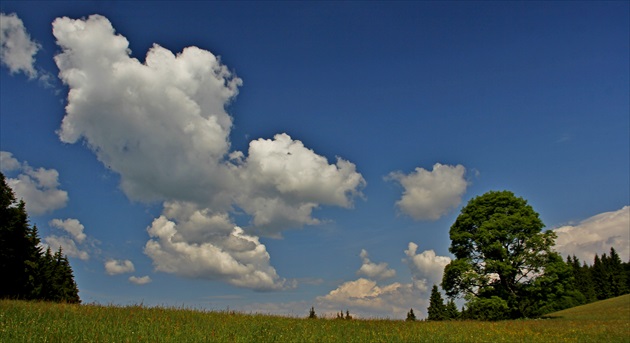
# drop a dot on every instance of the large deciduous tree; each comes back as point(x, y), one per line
point(503, 257)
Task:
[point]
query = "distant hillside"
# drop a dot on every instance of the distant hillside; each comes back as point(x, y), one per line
point(609, 309)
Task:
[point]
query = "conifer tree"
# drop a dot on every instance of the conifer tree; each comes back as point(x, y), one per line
point(14, 243)
point(311, 313)
point(411, 316)
point(436, 308)
point(617, 276)
point(27, 272)
point(583, 279)
point(451, 312)
point(600, 277)
point(33, 265)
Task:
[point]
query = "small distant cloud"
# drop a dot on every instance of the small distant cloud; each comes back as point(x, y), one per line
point(68, 246)
point(373, 270)
point(72, 226)
point(38, 187)
point(114, 267)
point(142, 280)
point(73, 242)
point(17, 50)
point(428, 195)
point(565, 137)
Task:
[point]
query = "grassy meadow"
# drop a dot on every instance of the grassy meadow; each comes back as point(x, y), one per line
point(20, 321)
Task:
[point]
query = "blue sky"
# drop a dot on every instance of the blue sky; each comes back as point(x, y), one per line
point(269, 157)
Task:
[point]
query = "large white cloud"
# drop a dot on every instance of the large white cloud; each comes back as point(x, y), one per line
point(596, 235)
point(285, 181)
point(17, 50)
point(428, 195)
point(163, 127)
point(195, 243)
point(37, 187)
point(161, 124)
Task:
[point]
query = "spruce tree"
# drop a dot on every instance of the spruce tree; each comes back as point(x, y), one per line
point(626, 268)
point(600, 275)
point(14, 244)
point(60, 279)
point(451, 312)
point(33, 266)
point(617, 275)
point(27, 272)
point(68, 288)
point(436, 308)
point(411, 316)
point(311, 313)
point(582, 280)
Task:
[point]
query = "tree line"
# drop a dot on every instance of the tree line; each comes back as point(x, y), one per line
point(606, 278)
point(28, 271)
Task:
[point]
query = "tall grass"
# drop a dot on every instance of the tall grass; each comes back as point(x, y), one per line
point(607, 321)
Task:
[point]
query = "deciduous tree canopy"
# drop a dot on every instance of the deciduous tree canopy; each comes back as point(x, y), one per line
point(503, 258)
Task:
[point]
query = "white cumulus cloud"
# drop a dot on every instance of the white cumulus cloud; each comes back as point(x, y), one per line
point(428, 195)
point(17, 50)
point(162, 125)
point(195, 243)
point(285, 181)
point(371, 270)
point(8, 162)
point(114, 267)
point(68, 246)
point(366, 297)
point(72, 226)
point(140, 280)
point(426, 267)
point(37, 187)
point(596, 235)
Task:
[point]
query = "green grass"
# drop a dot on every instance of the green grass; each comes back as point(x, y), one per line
point(605, 321)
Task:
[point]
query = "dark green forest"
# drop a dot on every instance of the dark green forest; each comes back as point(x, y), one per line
point(29, 272)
